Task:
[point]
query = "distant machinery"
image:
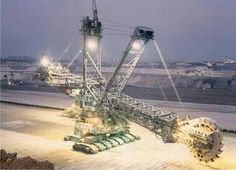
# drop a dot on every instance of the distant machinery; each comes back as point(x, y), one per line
point(58, 76)
point(101, 108)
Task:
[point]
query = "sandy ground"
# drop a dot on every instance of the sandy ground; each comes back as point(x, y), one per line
point(39, 132)
point(225, 115)
point(36, 97)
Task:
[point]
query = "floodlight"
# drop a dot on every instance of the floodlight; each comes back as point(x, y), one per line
point(92, 44)
point(137, 45)
point(45, 61)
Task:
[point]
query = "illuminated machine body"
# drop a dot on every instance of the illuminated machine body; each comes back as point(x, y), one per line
point(102, 109)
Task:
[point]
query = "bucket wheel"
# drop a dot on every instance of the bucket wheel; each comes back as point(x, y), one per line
point(207, 142)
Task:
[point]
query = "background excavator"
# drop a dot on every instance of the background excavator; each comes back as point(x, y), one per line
point(102, 109)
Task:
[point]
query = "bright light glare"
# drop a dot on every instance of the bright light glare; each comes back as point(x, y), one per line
point(92, 44)
point(45, 61)
point(136, 45)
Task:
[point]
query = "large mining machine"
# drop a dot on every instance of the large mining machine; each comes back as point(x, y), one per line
point(102, 109)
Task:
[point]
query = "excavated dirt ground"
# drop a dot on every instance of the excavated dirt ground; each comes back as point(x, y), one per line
point(10, 161)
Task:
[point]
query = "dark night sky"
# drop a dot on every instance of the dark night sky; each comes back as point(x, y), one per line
point(185, 29)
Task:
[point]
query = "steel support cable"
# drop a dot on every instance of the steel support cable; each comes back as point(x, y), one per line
point(119, 26)
point(116, 22)
point(74, 58)
point(116, 34)
point(47, 49)
point(114, 29)
point(164, 95)
point(168, 73)
point(69, 45)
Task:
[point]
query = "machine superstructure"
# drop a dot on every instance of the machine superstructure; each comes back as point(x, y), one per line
point(102, 109)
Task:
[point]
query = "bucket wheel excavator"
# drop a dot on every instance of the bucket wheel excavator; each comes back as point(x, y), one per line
point(102, 109)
